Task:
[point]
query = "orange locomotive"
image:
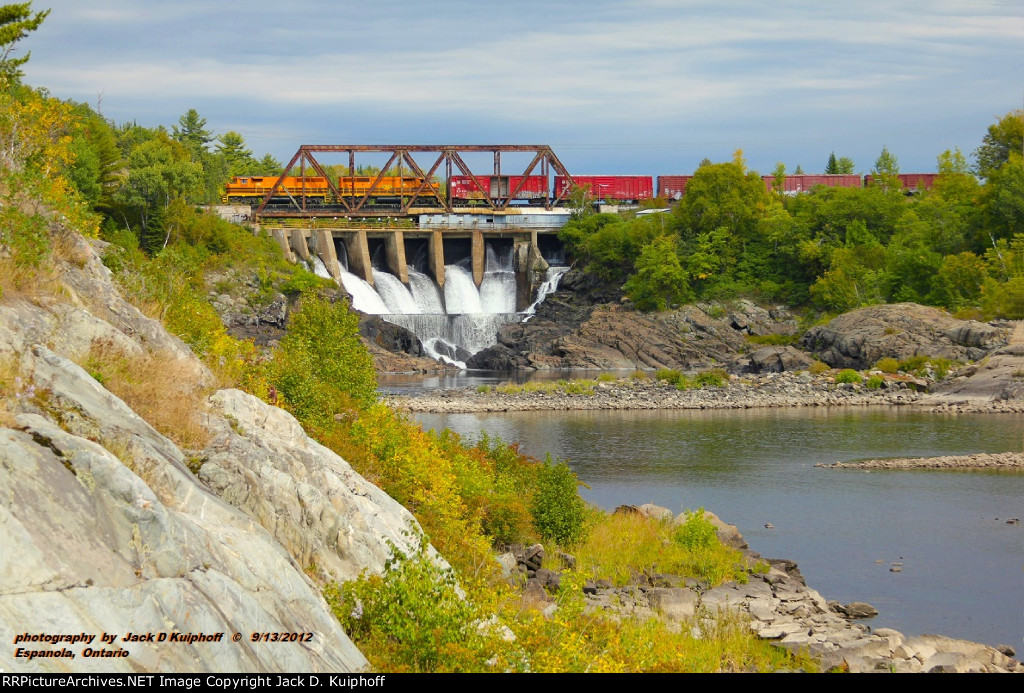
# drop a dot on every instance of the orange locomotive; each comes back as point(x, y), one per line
point(252, 189)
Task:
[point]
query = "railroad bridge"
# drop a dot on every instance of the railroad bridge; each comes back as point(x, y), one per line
point(442, 209)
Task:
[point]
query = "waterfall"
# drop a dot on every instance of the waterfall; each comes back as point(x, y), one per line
point(550, 286)
point(364, 298)
point(457, 322)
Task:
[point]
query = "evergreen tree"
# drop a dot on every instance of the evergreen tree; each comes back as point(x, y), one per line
point(16, 22)
point(832, 167)
point(192, 131)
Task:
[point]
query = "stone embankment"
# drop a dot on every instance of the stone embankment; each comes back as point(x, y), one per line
point(995, 461)
point(778, 606)
point(769, 390)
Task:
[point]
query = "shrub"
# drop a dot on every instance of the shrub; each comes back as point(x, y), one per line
point(875, 382)
point(412, 617)
point(639, 375)
point(772, 339)
point(888, 365)
point(817, 367)
point(715, 377)
point(913, 364)
point(696, 532)
point(559, 513)
point(606, 378)
point(848, 375)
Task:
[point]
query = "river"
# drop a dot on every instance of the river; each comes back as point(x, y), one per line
point(962, 564)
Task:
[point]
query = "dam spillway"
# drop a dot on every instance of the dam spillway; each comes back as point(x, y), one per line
point(452, 280)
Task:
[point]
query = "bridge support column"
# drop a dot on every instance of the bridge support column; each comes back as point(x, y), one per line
point(436, 252)
point(282, 240)
point(359, 255)
point(394, 245)
point(325, 251)
point(479, 256)
point(298, 243)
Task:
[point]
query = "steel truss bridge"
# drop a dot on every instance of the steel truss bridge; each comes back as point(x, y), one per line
point(426, 198)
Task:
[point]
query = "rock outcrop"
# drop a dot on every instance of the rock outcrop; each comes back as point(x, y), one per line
point(860, 338)
point(105, 526)
point(567, 332)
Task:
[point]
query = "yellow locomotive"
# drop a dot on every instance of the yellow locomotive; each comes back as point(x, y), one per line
point(253, 189)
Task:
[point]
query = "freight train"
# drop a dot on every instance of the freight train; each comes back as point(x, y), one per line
point(519, 189)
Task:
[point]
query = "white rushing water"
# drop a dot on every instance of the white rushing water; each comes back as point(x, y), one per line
point(457, 322)
point(550, 286)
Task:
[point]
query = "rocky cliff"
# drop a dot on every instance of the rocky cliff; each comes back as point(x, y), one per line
point(110, 527)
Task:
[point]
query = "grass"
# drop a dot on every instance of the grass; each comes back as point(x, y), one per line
point(569, 387)
point(161, 388)
point(621, 546)
point(714, 377)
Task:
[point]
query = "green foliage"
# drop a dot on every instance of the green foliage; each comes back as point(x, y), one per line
point(321, 364)
point(303, 281)
point(773, 339)
point(696, 532)
point(559, 513)
point(412, 618)
point(659, 278)
point(887, 365)
point(16, 22)
point(1004, 137)
point(848, 375)
point(817, 367)
point(875, 382)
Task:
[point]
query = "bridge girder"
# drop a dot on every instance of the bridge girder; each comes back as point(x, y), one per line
point(448, 155)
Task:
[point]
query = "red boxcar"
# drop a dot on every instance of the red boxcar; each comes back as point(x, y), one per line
point(672, 187)
point(493, 187)
point(911, 182)
point(796, 184)
point(624, 188)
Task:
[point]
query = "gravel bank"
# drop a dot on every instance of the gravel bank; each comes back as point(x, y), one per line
point(746, 392)
point(1000, 460)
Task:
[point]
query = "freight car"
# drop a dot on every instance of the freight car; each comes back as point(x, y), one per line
point(911, 182)
point(620, 188)
point(796, 184)
point(495, 187)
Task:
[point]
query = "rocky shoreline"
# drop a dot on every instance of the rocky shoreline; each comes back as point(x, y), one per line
point(778, 606)
point(768, 390)
point(997, 461)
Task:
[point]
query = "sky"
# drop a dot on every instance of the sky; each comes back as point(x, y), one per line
point(646, 87)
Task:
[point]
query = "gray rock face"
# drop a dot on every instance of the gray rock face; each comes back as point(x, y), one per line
point(997, 377)
point(326, 515)
point(89, 546)
point(570, 331)
point(860, 338)
point(104, 528)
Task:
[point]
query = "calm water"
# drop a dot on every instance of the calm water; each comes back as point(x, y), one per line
point(963, 566)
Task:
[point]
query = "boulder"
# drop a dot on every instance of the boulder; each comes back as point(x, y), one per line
point(860, 338)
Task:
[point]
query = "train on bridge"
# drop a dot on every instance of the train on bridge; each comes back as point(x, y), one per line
point(467, 190)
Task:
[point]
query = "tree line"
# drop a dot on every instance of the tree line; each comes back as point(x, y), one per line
point(959, 245)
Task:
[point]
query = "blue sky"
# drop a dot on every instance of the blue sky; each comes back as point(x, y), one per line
point(645, 87)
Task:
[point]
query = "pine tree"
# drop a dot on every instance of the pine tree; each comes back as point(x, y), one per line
point(832, 167)
point(16, 22)
point(193, 132)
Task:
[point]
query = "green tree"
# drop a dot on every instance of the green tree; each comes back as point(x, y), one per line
point(779, 178)
point(832, 167)
point(238, 159)
point(799, 170)
point(191, 131)
point(845, 166)
point(159, 171)
point(659, 279)
point(1003, 137)
point(270, 166)
point(16, 22)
